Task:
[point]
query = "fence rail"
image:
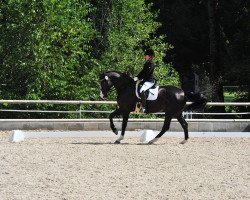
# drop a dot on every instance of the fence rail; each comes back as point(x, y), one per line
point(80, 103)
point(106, 102)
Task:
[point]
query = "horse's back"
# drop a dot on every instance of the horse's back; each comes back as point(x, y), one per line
point(172, 89)
point(170, 100)
point(172, 93)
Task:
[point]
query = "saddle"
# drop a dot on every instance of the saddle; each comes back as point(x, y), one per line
point(151, 94)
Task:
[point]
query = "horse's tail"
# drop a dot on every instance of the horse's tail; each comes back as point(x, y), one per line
point(198, 100)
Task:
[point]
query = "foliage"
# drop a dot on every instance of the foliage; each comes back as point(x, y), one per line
point(56, 49)
point(62, 51)
point(186, 26)
point(18, 21)
point(127, 29)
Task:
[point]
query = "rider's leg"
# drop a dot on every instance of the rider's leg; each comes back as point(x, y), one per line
point(143, 90)
point(143, 101)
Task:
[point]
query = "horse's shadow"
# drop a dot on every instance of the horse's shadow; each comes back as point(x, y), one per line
point(110, 143)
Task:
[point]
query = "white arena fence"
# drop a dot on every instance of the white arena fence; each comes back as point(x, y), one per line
point(80, 104)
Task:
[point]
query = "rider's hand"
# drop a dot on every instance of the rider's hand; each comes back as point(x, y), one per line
point(136, 79)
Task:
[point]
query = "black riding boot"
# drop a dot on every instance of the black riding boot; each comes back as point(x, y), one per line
point(143, 101)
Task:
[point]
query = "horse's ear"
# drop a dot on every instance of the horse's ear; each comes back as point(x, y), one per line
point(106, 78)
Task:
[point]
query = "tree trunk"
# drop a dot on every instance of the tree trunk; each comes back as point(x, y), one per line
point(216, 65)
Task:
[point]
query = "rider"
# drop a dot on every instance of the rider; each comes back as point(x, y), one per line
point(147, 75)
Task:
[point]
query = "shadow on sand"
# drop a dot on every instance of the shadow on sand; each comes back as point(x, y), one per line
point(110, 143)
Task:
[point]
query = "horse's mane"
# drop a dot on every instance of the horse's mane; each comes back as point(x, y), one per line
point(116, 73)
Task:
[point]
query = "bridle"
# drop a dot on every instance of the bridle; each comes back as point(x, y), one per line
point(106, 78)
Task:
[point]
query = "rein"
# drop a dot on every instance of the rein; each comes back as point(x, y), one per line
point(120, 88)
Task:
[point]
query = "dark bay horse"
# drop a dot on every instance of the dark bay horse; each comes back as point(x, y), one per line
point(171, 100)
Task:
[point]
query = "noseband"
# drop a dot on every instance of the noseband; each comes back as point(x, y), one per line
point(109, 82)
point(105, 78)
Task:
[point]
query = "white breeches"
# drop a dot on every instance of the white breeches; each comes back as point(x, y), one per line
point(146, 86)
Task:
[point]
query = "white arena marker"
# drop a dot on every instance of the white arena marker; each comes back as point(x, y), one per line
point(16, 136)
point(147, 135)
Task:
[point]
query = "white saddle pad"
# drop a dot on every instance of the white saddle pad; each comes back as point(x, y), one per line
point(153, 93)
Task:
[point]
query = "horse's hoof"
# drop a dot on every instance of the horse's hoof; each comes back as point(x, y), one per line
point(117, 142)
point(183, 142)
point(151, 142)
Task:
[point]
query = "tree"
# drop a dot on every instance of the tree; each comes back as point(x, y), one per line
point(126, 29)
point(236, 31)
point(216, 66)
point(56, 49)
point(45, 49)
point(63, 59)
point(18, 21)
point(213, 35)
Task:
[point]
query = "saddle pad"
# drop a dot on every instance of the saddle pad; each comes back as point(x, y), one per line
point(152, 93)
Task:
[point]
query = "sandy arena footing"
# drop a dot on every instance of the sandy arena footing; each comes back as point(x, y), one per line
point(95, 168)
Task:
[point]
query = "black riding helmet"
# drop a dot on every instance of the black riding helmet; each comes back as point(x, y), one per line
point(149, 52)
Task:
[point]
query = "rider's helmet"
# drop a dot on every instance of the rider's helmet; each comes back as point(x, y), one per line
point(149, 52)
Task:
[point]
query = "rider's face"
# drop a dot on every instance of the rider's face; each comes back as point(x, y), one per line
point(147, 57)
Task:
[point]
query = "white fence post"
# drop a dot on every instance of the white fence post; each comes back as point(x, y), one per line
point(79, 111)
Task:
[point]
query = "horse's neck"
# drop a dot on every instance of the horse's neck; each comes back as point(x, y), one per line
point(121, 83)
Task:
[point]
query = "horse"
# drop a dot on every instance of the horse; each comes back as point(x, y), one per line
point(171, 100)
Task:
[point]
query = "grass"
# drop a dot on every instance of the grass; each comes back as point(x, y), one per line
point(229, 96)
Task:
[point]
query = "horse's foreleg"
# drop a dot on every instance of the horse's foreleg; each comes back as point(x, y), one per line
point(165, 127)
point(111, 116)
point(124, 125)
point(184, 125)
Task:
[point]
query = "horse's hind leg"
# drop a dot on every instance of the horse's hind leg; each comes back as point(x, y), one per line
point(165, 127)
point(124, 125)
point(111, 116)
point(184, 125)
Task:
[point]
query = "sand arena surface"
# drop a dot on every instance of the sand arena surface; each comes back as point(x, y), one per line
point(93, 168)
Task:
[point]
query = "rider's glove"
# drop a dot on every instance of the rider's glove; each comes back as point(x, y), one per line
point(136, 79)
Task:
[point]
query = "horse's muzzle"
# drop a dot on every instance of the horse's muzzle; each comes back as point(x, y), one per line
point(103, 96)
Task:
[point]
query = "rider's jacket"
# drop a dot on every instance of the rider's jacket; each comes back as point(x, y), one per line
point(147, 73)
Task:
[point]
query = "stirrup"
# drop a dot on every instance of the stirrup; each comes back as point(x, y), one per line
point(137, 108)
point(143, 110)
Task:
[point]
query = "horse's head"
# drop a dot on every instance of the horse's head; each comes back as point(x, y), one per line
point(106, 84)
point(113, 78)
